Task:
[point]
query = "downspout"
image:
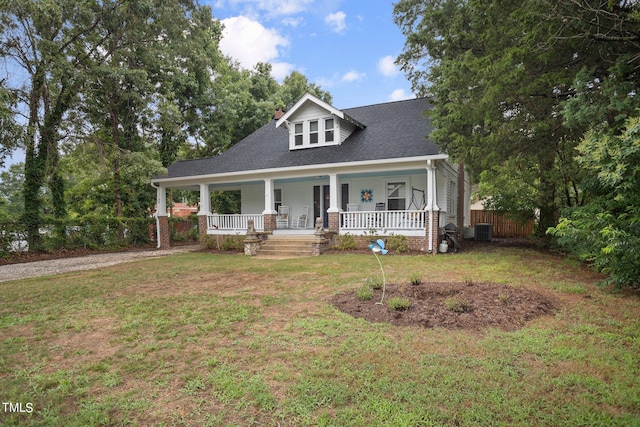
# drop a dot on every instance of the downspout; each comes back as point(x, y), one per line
point(157, 220)
point(430, 204)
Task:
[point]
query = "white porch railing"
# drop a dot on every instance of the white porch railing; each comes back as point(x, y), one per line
point(234, 222)
point(382, 220)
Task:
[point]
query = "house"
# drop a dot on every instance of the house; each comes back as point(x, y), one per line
point(363, 171)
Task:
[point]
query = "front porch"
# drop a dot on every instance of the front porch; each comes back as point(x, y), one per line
point(405, 222)
point(393, 201)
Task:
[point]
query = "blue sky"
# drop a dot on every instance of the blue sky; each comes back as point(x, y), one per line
point(346, 46)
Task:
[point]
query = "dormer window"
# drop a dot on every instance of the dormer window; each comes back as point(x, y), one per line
point(313, 132)
point(298, 135)
point(314, 123)
point(328, 130)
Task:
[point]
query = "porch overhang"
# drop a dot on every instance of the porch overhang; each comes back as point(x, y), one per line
point(380, 166)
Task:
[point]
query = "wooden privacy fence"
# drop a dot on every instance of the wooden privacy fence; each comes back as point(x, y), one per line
point(502, 226)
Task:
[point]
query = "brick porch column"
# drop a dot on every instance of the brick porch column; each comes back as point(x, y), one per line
point(269, 221)
point(202, 225)
point(334, 222)
point(436, 223)
point(164, 233)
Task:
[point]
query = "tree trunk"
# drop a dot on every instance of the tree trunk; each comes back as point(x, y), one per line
point(33, 168)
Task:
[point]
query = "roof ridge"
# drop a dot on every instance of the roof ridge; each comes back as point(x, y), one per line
point(421, 98)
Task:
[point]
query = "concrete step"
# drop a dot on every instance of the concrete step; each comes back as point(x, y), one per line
point(287, 246)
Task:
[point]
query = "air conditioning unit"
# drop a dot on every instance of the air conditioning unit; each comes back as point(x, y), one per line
point(484, 232)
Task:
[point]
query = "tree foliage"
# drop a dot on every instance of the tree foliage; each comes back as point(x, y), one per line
point(516, 86)
point(511, 82)
point(101, 94)
point(606, 230)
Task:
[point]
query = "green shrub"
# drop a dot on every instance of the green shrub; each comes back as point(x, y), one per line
point(364, 292)
point(209, 242)
point(374, 283)
point(398, 303)
point(233, 243)
point(345, 242)
point(399, 244)
point(225, 243)
point(415, 279)
point(457, 304)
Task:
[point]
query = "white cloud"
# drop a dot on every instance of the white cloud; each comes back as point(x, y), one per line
point(273, 8)
point(337, 21)
point(400, 95)
point(292, 22)
point(280, 70)
point(353, 76)
point(387, 67)
point(249, 42)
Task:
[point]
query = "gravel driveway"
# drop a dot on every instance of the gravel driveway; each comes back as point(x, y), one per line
point(89, 262)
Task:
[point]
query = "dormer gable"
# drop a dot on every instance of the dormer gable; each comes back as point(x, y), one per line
point(314, 123)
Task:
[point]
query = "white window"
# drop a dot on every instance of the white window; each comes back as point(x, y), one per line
point(298, 134)
point(396, 196)
point(328, 130)
point(313, 132)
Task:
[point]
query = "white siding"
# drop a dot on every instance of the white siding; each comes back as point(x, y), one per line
point(252, 198)
point(346, 129)
point(310, 111)
point(379, 187)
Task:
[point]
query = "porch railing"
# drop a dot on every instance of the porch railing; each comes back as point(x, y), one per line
point(382, 220)
point(234, 222)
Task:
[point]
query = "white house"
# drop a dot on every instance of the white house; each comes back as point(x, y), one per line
point(364, 170)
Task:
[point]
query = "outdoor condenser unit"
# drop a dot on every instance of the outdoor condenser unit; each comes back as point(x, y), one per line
point(484, 232)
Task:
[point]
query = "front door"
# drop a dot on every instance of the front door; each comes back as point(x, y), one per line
point(321, 200)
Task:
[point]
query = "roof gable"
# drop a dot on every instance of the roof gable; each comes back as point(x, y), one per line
point(308, 98)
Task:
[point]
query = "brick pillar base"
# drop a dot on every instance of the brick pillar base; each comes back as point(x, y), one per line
point(202, 225)
point(436, 231)
point(334, 221)
point(269, 222)
point(163, 224)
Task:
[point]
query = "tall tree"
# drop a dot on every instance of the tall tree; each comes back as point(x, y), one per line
point(46, 43)
point(500, 74)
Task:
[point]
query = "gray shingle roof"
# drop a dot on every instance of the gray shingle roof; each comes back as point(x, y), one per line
point(393, 130)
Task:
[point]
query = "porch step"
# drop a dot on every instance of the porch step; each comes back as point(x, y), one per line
point(287, 246)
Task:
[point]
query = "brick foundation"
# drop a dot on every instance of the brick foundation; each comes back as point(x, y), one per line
point(163, 223)
point(416, 243)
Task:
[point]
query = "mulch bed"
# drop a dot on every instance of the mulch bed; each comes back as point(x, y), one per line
point(470, 306)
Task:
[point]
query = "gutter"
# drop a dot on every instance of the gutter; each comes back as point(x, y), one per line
point(380, 165)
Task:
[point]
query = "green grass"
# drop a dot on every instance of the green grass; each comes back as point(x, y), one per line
point(224, 340)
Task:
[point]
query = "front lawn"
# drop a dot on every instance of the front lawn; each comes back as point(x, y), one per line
point(209, 339)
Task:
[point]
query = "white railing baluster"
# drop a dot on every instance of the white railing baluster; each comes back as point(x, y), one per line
point(234, 222)
point(382, 220)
